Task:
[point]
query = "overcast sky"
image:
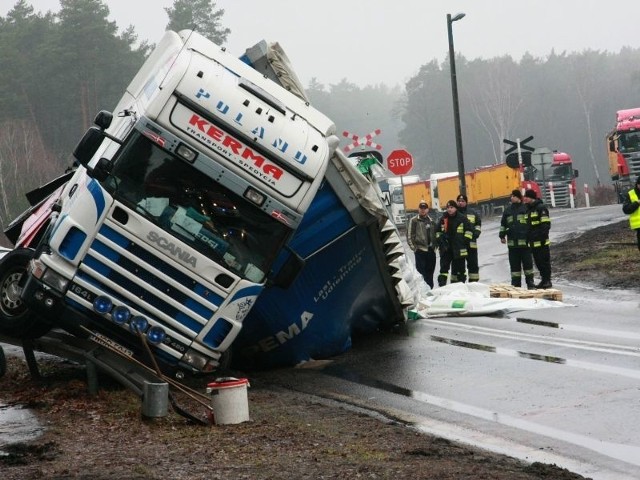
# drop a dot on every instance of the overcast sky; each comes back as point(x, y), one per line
point(386, 41)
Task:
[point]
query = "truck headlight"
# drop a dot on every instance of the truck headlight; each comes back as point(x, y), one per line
point(120, 315)
point(55, 280)
point(156, 335)
point(102, 304)
point(138, 324)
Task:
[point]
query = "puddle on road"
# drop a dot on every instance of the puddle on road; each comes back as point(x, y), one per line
point(504, 351)
point(17, 424)
point(600, 332)
point(540, 323)
point(460, 343)
point(594, 367)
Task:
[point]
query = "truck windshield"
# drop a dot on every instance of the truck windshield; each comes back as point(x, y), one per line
point(629, 142)
point(559, 173)
point(197, 210)
point(396, 195)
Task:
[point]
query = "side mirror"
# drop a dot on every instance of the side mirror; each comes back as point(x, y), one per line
point(92, 139)
point(575, 173)
point(102, 170)
point(289, 271)
point(88, 145)
point(612, 146)
point(103, 119)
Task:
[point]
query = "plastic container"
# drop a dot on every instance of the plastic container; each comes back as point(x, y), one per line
point(229, 400)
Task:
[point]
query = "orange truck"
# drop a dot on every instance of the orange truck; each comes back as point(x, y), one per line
point(487, 188)
point(490, 187)
point(624, 150)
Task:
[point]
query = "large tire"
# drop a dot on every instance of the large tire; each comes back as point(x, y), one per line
point(16, 320)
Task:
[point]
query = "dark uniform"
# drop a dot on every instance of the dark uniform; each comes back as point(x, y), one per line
point(421, 238)
point(453, 234)
point(514, 230)
point(538, 237)
point(473, 268)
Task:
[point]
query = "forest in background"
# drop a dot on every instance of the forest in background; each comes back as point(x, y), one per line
point(58, 70)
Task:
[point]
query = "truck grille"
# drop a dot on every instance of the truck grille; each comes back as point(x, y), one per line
point(139, 278)
point(560, 193)
point(633, 161)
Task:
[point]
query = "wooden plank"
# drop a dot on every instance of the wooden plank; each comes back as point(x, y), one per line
point(508, 291)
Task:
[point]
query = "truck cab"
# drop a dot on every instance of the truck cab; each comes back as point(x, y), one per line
point(182, 201)
point(623, 149)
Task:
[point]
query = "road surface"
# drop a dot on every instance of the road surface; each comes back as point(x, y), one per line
point(557, 385)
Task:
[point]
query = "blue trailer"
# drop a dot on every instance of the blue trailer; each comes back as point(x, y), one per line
point(351, 283)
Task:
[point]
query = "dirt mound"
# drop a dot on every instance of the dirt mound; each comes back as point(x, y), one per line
point(604, 257)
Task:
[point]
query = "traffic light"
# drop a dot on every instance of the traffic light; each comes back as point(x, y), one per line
point(512, 159)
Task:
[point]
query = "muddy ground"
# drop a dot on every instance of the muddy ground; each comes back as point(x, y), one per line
point(606, 257)
point(289, 436)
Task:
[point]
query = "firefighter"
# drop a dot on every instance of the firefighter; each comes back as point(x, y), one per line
point(513, 232)
point(473, 268)
point(421, 239)
point(539, 225)
point(630, 207)
point(453, 234)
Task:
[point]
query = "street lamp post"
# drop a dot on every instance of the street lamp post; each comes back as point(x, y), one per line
point(456, 108)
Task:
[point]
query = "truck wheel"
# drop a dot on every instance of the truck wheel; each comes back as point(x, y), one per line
point(16, 320)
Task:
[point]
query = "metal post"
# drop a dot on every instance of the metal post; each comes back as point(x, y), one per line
point(520, 166)
point(30, 357)
point(586, 195)
point(456, 108)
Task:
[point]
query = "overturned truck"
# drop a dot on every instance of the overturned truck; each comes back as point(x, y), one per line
point(210, 213)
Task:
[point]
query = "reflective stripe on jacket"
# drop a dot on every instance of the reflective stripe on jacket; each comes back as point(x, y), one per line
point(513, 225)
point(475, 220)
point(634, 218)
point(454, 233)
point(539, 224)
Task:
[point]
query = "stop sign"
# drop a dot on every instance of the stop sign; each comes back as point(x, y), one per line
point(400, 162)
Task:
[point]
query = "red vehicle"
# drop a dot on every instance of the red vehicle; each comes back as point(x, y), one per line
point(624, 150)
point(560, 176)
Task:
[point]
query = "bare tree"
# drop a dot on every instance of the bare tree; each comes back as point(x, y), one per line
point(496, 98)
point(24, 165)
point(585, 69)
